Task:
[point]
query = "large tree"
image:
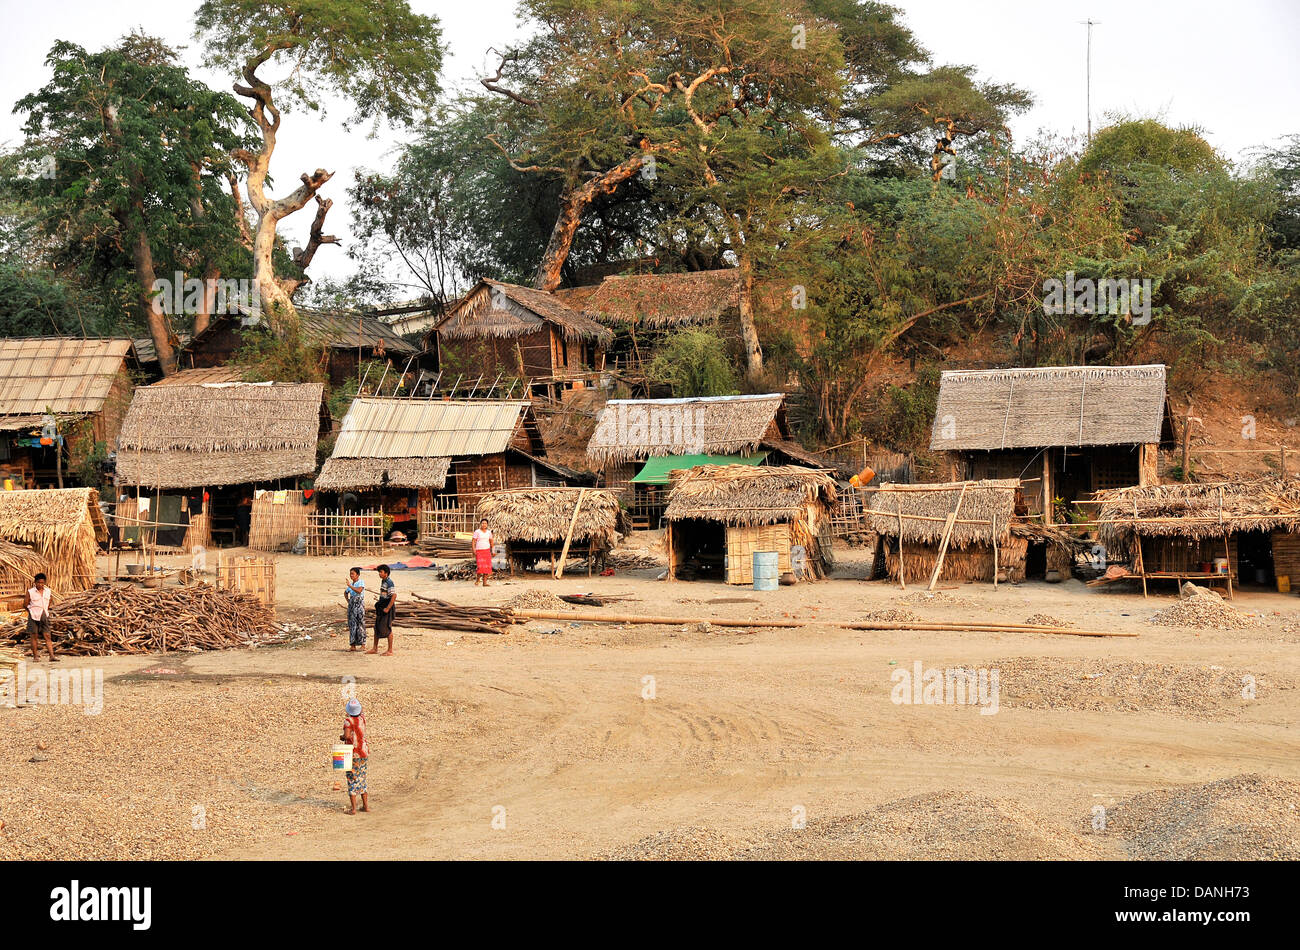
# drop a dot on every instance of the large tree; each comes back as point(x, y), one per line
point(129, 158)
point(377, 54)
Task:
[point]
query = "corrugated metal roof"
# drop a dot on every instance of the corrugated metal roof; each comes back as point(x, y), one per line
point(415, 428)
point(58, 374)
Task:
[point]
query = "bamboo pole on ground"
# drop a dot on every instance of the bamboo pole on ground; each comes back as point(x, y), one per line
point(947, 535)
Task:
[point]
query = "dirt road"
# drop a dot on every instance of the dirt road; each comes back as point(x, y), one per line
point(565, 739)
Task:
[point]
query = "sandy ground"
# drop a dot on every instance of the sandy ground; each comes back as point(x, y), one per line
point(564, 739)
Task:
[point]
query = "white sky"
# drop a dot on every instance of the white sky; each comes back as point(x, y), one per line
point(1230, 69)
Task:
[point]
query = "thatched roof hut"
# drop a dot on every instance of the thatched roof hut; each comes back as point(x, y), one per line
point(497, 309)
point(533, 522)
point(18, 565)
point(1197, 510)
point(635, 429)
point(664, 301)
point(1042, 406)
point(924, 509)
point(720, 515)
point(62, 525)
point(214, 434)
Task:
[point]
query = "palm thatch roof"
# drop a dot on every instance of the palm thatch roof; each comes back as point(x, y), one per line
point(543, 515)
point(630, 429)
point(211, 434)
point(496, 309)
point(367, 474)
point(203, 374)
point(62, 525)
point(1197, 510)
point(662, 301)
point(924, 509)
point(18, 565)
point(1049, 406)
point(59, 374)
point(746, 495)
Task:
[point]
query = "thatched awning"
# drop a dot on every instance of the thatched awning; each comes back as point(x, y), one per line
point(924, 509)
point(633, 429)
point(194, 436)
point(496, 309)
point(743, 495)
point(344, 474)
point(1049, 406)
point(1193, 510)
point(542, 515)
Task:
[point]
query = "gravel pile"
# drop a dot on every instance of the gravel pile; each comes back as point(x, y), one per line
point(1203, 609)
point(1245, 817)
point(1291, 625)
point(1047, 620)
point(537, 599)
point(924, 598)
point(939, 826)
point(1198, 692)
point(892, 615)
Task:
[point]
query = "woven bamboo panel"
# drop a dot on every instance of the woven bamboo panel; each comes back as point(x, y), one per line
point(248, 575)
point(744, 541)
point(275, 527)
point(1286, 556)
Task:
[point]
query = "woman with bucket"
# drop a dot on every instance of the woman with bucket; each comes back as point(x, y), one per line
point(482, 553)
point(355, 597)
point(354, 731)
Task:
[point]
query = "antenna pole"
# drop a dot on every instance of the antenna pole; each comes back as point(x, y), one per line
point(1090, 23)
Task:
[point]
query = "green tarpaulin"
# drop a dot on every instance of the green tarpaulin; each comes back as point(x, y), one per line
point(656, 469)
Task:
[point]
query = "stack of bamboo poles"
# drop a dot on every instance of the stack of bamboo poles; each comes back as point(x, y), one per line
point(108, 620)
point(438, 614)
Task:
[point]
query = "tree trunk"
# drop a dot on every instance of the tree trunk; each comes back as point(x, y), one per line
point(155, 318)
point(275, 306)
point(749, 332)
point(572, 204)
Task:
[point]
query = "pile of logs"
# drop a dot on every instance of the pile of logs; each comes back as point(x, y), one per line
point(438, 614)
point(436, 547)
point(107, 620)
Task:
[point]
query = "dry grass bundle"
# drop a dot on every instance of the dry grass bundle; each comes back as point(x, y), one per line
point(63, 525)
point(925, 507)
point(191, 436)
point(630, 429)
point(538, 515)
point(1196, 510)
point(748, 495)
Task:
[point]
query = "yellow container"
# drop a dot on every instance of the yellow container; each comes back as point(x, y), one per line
point(1283, 584)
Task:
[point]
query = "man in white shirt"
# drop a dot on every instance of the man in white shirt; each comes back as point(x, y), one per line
point(39, 598)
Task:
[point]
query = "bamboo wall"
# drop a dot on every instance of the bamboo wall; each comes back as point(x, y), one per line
point(744, 540)
point(276, 527)
point(1286, 556)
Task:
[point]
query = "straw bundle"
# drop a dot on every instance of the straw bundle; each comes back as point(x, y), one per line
point(745, 495)
point(538, 515)
point(63, 525)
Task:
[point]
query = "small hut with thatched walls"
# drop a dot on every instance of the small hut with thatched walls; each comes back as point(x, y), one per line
point(719, 515)
point(63, 526)
point(914, 519)
point(195, 459)
point(18, 565)
point(1221, 532)
point(539, 524)
point(505, 331)
point(638, 442)
point(1077, 429)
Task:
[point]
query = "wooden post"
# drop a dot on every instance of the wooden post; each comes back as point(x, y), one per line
point(994, 523)
point(902, 571)
point(1049, 512)
point(1187, 440)
point(1284, 475)
point(573, 523)
point(672, 556)
point(1227, 555)
point(1141, 564)
point(947, 535)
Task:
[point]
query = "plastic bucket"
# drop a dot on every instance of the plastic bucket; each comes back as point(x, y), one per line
point(342, 756)
point(766, 576)
point(1221, 565)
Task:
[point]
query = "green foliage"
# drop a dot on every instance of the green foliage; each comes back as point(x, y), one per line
point(695, 363)
point(905, 413)
point(264, 357)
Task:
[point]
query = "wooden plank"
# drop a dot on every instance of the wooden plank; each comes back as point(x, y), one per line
point(564, 553)
point(947, 535)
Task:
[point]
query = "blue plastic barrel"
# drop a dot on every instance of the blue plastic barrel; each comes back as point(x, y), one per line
point(766, 576)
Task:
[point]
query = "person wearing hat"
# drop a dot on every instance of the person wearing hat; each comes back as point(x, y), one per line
point(354, 731)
